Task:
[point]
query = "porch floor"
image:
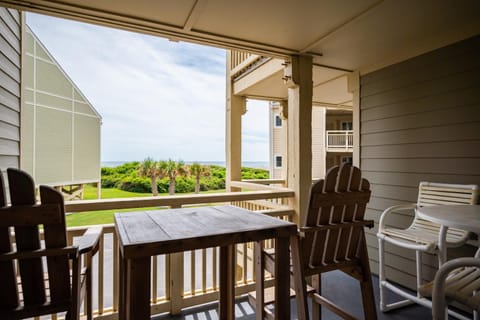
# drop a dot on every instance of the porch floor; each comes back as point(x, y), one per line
point(337, 286)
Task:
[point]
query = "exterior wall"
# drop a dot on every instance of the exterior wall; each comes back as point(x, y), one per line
point(60, 128)
point(420, 121)
point(318, 142)
point(334, 121)
point(277, 142)
point(10, 77)
point(321, 160)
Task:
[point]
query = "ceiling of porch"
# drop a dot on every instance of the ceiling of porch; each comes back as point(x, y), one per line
point(341, 36)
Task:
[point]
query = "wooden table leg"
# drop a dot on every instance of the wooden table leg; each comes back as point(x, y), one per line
point(282, 279)
point(138, 289)
point(227, 283)
point(259, 281)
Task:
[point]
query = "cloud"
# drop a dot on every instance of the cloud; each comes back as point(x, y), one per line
point(157, 98)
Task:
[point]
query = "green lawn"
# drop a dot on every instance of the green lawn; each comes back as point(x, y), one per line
point(106, 216)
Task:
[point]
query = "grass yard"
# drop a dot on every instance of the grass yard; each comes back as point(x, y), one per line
point(103, 216)
point(106, 216)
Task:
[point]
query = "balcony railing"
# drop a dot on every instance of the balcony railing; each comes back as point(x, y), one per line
point(242, 63)
point(186, 279)
point(339, 141)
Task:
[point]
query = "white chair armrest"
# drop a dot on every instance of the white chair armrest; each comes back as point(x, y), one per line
point(438, 295)
point(381, 223)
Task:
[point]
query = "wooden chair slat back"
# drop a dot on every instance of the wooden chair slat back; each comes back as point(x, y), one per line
point(22, 192)
point(56, 237)
point(336, 202)
point(8, 288)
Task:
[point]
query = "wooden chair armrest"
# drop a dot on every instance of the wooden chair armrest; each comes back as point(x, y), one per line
point(388, 211)
point(72, 251)
point(90, 240)
point(362, 223)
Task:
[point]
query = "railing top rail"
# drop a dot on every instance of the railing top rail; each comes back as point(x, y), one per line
point(255, 186)
point(174, 201)
point(265, 181)
point(339, 131)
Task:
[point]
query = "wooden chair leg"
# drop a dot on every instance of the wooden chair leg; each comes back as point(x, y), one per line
point(88, 291)
point(299, 279)
point(369, 308)
point(316, 307)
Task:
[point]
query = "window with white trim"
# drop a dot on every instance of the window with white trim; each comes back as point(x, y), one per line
point(278, 161)
point(278, 121)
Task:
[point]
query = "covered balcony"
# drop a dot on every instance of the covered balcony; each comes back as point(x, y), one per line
point(408, 71)
point(339, 141)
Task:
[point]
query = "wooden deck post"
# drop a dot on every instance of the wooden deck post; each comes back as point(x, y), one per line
point(235, 109)
point(300, 91)
point(354, 88)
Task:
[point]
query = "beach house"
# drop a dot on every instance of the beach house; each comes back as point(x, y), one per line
point(60, 135)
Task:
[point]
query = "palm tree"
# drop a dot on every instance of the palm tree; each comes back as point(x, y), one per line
point(198, 170)
point(150, 168)
point(172, 169)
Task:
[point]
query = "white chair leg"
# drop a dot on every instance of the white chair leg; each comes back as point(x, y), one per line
point(381, 273)
point(419, 264)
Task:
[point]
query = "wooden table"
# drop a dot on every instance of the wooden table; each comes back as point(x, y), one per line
point(145, 234)
point(465, 217)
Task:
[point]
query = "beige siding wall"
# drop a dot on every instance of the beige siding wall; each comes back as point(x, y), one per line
point(10, 62)
point(277, 141)
point(60, 129)
point(420, 121)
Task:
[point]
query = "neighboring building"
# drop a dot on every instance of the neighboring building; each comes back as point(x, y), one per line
point(60, 130)
point(332, 140)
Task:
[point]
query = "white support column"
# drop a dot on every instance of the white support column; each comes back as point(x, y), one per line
point(300, 91)
point(354, 88)
point(236, 107)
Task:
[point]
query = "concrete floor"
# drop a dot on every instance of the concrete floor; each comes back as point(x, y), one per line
point(337, 287)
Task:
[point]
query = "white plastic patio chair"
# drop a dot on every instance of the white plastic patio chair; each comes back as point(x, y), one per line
point(457, 280)
point(421, 235)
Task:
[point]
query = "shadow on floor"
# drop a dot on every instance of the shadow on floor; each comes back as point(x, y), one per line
point(337, 287)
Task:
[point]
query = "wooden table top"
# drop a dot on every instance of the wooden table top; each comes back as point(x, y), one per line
point(150, 233)
point(465, 217)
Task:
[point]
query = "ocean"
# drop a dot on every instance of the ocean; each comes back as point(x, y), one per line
point(249, 164)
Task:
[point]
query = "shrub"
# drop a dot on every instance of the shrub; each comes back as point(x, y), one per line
point(184, 185)
point(135, 185)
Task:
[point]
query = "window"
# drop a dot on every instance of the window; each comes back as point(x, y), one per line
point(278, 121)
point(347, 160)
point(278, 161)
point(347, 125)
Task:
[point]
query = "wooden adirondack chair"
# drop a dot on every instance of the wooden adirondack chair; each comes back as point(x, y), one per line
point(331, 238)
point(40, 277)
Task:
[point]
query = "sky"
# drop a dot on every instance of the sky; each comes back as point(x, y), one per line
point(157, 98)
